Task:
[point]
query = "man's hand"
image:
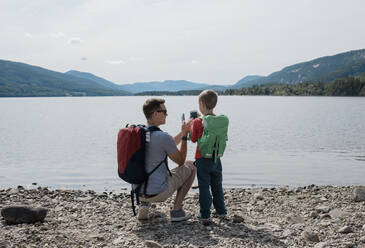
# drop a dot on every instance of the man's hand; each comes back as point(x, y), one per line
point(185, 127)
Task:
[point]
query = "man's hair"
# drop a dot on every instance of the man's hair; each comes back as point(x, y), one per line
point(209, 98)
point(151, 105)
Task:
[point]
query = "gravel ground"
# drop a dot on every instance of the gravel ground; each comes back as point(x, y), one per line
point(311, 216)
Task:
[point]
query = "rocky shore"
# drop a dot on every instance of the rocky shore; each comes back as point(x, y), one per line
point(311, 216)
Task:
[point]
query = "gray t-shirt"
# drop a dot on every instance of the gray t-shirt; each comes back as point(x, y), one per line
point(159, 145)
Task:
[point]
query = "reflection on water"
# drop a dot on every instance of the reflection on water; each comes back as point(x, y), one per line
point(71, 142)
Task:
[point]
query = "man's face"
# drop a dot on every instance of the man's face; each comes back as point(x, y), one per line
point(161, 114)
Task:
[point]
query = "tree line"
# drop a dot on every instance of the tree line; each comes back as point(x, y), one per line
point(349, 86)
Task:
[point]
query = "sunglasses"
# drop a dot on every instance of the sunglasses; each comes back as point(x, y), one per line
point(162, 111)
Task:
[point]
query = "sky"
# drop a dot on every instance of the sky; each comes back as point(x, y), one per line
point(204, 41)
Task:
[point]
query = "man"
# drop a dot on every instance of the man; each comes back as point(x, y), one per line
point(161, 184)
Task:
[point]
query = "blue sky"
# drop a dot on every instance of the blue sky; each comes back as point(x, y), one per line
point(205, 41)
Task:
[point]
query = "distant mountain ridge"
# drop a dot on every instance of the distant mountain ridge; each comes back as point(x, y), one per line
point(20, 79)
point(324, 69)
point(167, 85)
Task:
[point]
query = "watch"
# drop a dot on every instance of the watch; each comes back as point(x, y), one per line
point(184, 138)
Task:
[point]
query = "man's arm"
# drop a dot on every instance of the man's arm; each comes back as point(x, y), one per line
point(177, 138)
point(179, 156)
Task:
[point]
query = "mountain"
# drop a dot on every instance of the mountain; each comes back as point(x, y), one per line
point(99, 80)
point(324, 69)
point(19, 79)
point(168, 85)
point(249, 78)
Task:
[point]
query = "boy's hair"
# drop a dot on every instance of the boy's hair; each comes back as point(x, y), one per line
point(209, 98)
point(151, 105)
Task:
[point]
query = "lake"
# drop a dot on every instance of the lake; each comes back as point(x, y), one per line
point(70, 142)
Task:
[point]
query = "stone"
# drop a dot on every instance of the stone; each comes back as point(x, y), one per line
point(295, 219)
point(310, 236)
point(258, 196)
point(283, 189)
point(363, 227)
point(313, 214)
point(288, 233)
point(5, 244)
point(359, 194)
point(152, 244)
point(321, 245)
point(337, 213)
point(345, 230)
point(13, 191)
point(237, 219)
point(23, 214)
point(323, 209)
point(362, 239)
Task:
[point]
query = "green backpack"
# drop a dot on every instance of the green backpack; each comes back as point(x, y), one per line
point(213, 140)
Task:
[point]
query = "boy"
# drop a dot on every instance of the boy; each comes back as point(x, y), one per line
point(209, 170)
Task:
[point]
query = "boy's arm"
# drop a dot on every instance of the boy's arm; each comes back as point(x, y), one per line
point(179, 156)
point(196, 130)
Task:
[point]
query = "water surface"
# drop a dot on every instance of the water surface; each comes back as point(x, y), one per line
point(71, 142)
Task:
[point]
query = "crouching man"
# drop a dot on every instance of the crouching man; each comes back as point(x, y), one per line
point(162, 183)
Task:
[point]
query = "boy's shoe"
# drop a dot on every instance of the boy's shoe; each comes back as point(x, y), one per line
point(178, 215)
point(143, 211)
point(204, 221)
point(221, 216)
point(199, 216)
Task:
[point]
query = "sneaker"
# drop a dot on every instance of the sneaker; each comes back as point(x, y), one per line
point(204, 221)
point(199, 216)
point(221, 216)
point(178, 215)
point(143, 211)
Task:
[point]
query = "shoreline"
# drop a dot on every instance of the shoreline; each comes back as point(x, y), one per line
point(308, 216)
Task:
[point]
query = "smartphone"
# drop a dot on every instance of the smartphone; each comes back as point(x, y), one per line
point(183, 117)
point(193, 114)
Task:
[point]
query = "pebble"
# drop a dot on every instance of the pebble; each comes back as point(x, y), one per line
point(310, 236)
point(89, 219)
point(323, 209)
point(23, 214)
point(5, 244)
point(345, 230)
point(321, 245)
point(152, 244)
point(359, 194)
point(237, 219)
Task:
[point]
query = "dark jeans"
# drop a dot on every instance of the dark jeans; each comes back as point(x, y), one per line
point(210, 174)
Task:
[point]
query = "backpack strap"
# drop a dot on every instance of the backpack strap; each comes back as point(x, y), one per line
point(154, 169)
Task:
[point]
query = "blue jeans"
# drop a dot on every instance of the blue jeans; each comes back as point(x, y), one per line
point(210, 175)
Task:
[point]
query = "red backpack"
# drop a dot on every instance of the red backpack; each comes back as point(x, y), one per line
point(131, 150)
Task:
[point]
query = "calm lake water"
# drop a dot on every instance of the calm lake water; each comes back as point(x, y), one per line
point(71, 142)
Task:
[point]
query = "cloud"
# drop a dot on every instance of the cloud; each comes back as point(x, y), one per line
point(83, 58)
point(136, 59)
point(114, 62)
point(57, 35)
point(195, 62)
point(28, 35)
point(75, 40)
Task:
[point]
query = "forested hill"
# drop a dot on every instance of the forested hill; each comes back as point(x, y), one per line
point(19, 79)
point(324, 69)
